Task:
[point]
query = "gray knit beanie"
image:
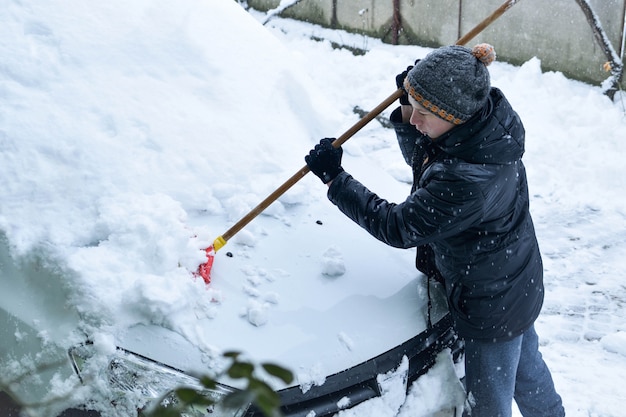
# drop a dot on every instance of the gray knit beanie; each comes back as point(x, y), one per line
point(452, 82)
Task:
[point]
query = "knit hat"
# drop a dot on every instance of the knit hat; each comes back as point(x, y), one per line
point(452, 82)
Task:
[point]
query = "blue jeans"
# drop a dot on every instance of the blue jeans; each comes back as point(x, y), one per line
point(495, 373)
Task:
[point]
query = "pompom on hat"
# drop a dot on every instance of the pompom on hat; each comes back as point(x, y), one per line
point(452, 82)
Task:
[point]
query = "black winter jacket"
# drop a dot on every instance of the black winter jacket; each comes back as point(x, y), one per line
point(470, 205)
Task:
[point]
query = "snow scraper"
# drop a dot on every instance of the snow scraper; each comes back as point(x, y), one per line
point(204, 270)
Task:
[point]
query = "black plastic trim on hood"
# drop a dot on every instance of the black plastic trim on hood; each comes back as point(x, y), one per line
point(359, 383)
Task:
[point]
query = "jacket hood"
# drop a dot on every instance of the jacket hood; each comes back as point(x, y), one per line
point(495, 135)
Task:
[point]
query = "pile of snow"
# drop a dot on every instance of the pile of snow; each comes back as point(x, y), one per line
point(121, 122)
point(133, 134)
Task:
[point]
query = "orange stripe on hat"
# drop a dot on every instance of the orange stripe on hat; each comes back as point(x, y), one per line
point(430, 106)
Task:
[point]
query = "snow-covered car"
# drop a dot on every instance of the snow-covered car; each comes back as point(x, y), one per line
point(130, 136)
point(340, 355)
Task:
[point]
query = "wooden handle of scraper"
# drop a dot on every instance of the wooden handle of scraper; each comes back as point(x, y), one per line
point(482, 25)
point(221, 240)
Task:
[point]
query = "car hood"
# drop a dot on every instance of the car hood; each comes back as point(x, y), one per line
point(316, 310)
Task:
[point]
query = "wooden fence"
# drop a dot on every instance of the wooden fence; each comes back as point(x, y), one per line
point(557, 31)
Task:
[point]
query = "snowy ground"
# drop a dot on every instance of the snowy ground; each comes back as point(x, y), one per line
point(130, 135)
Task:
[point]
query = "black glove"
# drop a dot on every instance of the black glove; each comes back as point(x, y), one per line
point(404, 99)
point(325, 160)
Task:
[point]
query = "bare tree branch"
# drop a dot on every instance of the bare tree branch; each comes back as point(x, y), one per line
point(284, 4)
point(614, 65)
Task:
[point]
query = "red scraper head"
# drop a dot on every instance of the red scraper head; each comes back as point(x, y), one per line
point(204, 270)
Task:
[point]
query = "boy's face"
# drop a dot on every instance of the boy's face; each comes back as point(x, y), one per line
point(426, 122)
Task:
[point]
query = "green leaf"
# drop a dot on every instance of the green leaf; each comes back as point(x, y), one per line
point(257, 391)
point(186, 395)
point(192, 397)
point(233, 354)
point(278, 371)
point(238, 399)
point(265, 397)
point(241, 370)
point(268, 402)
point(164, 412)
point(208, 382)
point(257, 385)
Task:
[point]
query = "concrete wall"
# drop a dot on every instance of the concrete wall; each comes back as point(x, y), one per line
point(554, 31)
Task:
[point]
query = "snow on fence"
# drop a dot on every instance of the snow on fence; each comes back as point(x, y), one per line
point(581, 38)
